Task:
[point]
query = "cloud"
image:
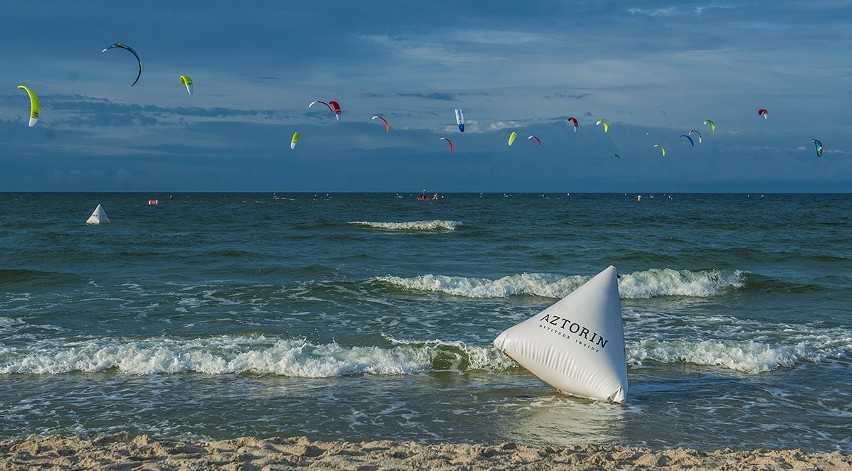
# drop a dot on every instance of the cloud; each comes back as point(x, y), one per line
point(500, 125)
point(683, 9)
point(491, 36)
point(443, 96)
point(86, 111)
point(670, 11)
point(568, 95)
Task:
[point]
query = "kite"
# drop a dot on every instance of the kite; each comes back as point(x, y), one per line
point(35, 109)
point(460, 119)
point(324, 103)
point(696, 132)
point(662, 149)
point(818, 145)
point(689, 139)
point(449, 142)
point(711, 123)
point(294, 140)
point(335, 107)
point(574, 122)
point(387, 126)
point(604, 123)
point(184, 79)
point(763, 112)
point(512, 137)
point(536, 139)
point(127, 48)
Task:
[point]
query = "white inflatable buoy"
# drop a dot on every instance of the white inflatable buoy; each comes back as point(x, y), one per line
point(577, 344)
point(98, 216)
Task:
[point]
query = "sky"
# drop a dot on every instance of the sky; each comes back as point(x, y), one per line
point(654, 70)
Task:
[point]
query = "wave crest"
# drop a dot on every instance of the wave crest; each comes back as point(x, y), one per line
point(637, 285)
point(744, 357)
point(302, 359)
point(667, 282)
point(248, 355)
point(412, 226)
point(534, 284)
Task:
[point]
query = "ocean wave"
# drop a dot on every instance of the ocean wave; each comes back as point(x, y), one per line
point(667, 282)
point(247, 355)
point(300, 358)
point(534, 284)
point(411, 226)
point(456, 356)
point(742, 356)
point(637, 285)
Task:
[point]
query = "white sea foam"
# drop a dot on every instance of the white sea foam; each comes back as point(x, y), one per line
point(667, 282)
point(747, 346)
point(253, 355)
point(13, 328)
point(412, 226)
point(536, 284)
point(746, 357)
point(454, 355)
point(300, 358)
point(637, 285)
point(8, 322)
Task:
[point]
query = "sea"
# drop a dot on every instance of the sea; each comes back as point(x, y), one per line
point(360, 317)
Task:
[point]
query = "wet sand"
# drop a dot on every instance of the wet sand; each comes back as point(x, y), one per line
point(142, 452)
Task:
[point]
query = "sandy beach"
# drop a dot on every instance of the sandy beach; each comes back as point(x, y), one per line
point(122, 451)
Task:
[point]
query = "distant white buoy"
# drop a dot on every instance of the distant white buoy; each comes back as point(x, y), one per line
point(577, 344)
point(98, 216)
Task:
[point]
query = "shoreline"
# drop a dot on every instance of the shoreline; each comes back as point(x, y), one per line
point(144, 452)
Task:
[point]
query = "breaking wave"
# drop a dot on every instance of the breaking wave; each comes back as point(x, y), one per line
point(638, 285)
point(740, 344)
point(667, 282)
point(411, 226)
point(744, 357)
point(247, 355)
point(302, 359)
